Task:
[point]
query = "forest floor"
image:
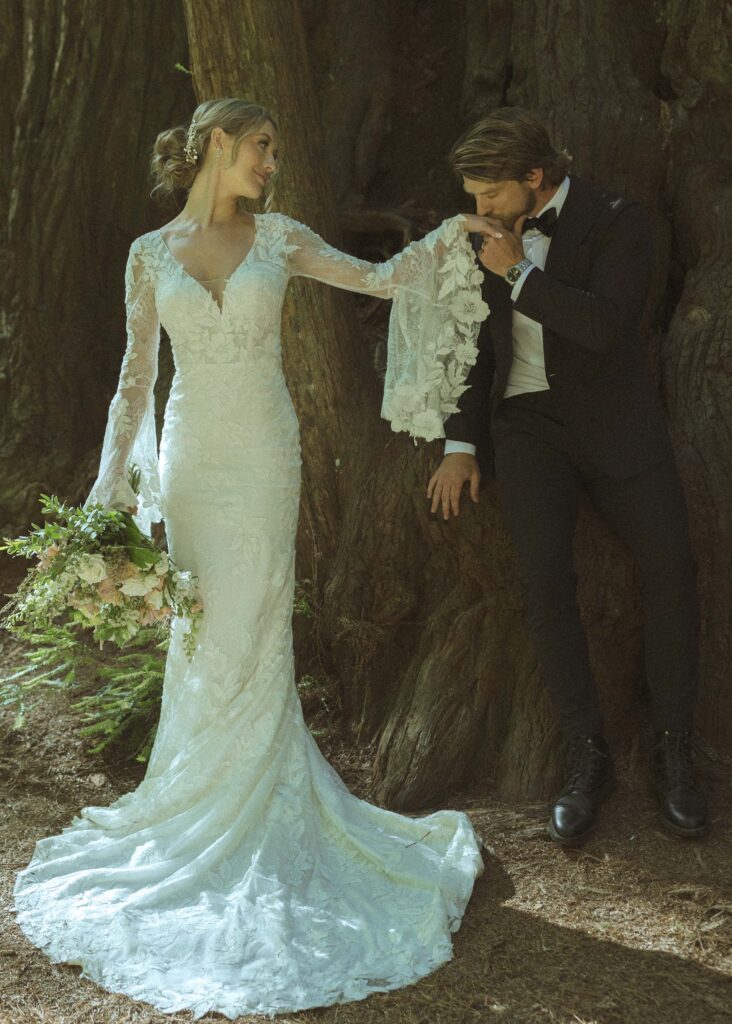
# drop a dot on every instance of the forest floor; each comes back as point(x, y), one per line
point(634, 928)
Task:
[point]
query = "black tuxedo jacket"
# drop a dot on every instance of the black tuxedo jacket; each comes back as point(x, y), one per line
point(589, 300)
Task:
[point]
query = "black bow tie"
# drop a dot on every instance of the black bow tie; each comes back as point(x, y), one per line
point(546, 223)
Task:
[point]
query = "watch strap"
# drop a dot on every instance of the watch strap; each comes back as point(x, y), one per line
point(514, 273)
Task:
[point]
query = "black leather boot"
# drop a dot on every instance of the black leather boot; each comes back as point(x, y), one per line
point(591, 778)
point(683, 805)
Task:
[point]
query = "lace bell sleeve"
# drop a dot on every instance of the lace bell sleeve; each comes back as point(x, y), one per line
point(437, 309)
point(130, 437)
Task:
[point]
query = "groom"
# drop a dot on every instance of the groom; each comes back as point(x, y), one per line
point(561, 402)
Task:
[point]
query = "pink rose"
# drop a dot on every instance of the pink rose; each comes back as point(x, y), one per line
point(108, 592)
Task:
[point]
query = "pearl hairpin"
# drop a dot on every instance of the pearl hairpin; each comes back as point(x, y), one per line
point(190, 146)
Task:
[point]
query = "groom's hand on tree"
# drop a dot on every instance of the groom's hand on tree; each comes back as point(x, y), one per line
point(446, 485)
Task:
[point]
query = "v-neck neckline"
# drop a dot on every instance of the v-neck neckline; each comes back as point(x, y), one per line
point(200, 284)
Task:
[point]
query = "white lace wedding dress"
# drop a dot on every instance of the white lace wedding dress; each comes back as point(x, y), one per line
point(241, 876)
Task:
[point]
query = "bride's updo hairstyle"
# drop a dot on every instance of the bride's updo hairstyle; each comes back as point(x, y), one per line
point(178, 153)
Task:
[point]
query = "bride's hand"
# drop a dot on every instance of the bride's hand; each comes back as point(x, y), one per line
point(481, 225)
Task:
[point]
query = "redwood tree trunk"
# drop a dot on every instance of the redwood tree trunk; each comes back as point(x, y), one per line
point(696, 355)
point(426, 620)
point(97, 82)
point(258, 51)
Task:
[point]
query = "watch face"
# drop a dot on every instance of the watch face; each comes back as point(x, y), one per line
point(514, 273)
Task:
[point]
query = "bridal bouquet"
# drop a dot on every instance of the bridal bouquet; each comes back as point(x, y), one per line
point(96, 570)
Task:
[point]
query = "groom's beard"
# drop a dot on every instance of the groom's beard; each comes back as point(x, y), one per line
point(509, 222)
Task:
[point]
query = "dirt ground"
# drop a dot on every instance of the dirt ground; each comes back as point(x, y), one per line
point(635, 928)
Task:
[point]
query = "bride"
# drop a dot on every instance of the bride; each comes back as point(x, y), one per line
point(241, 876)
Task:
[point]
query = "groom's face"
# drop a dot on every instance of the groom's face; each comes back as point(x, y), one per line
point(504, 201)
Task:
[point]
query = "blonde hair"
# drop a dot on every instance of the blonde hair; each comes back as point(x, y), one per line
point(170, 165)
point(506, 145)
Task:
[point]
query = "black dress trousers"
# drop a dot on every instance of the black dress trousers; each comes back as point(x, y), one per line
point(541, 470)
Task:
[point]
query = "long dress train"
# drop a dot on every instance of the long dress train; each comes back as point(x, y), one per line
point(241, 876)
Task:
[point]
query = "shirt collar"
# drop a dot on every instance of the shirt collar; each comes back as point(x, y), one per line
point(557, 200)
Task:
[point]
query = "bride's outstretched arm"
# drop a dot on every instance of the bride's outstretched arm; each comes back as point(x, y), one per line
point(436, 313)
point(311, 256)
point(130, 437)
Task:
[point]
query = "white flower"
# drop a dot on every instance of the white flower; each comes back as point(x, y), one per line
point(184, 582)
point(466, 352)
point(161, 566)
point(91, 568)
point(407, 397)
point(475, 278)
point(154, 599)
point(428, 424)
point(468, 308)
point(138, 586)
point(65, 581)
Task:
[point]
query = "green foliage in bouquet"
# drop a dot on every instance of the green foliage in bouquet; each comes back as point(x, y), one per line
point(98, 580)
point(97, 570)
point(118, 700)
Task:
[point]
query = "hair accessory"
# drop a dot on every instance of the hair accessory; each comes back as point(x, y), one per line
point(190, 146)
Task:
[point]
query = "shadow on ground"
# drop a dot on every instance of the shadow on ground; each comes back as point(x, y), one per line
point(635, 928)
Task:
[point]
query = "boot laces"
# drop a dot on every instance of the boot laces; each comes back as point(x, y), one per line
point(586, 765)
point(676, 759)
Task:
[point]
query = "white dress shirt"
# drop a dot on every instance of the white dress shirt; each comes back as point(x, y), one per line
point(527, 369)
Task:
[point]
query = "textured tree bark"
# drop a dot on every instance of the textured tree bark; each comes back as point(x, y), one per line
point(258, 51)
point(10, 62)
point(356, 109)
point(95, 86)
point(696, 355)
point(426, 620)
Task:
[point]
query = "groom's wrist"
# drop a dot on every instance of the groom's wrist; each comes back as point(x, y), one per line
point(521, 271)
point(517, 270)
point(451, 447)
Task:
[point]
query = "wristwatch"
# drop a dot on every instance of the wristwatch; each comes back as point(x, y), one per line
point(514, 273)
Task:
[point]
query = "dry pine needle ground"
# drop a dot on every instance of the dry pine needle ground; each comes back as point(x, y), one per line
point(635, 927)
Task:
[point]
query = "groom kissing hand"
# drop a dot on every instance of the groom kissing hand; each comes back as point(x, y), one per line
point(502, 249)
point(561, 403)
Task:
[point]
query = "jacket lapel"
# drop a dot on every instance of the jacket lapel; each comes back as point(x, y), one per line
point(499, 326)
point(575, 220)
point(497, 329)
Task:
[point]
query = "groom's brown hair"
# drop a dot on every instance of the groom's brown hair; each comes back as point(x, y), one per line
point(507, 144)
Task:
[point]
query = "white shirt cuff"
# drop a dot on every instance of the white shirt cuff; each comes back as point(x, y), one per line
point(516, 290)
point(459, 446)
